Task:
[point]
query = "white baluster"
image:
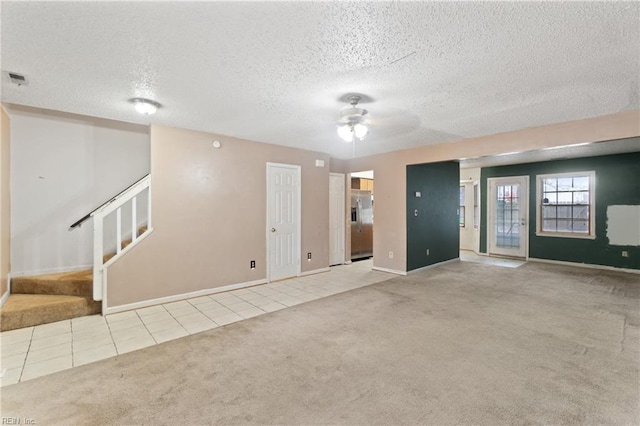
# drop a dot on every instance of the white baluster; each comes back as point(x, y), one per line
point(118, 230)
point(134, 222)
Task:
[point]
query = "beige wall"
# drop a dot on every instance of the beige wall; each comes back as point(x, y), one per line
point(5, 206)
point(209, 216)
point(390, 169)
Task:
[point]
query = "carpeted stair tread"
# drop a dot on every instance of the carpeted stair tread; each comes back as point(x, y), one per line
point(77, 283)
point(25, 310)
point(64, 276)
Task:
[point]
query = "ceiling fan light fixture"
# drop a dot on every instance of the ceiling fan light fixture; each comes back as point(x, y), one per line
point(360, 131)
point(346, 132)
point(145, 106)
point(353, 122)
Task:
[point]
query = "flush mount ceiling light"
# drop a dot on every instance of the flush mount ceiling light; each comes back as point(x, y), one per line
point(353, 123)
point(145, 106)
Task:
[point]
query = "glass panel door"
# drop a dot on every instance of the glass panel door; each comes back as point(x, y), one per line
point(508, 219)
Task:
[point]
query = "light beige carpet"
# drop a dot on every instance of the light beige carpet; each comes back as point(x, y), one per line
point(463, 343)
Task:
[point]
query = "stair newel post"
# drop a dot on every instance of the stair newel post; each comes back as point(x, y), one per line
point(98, 253)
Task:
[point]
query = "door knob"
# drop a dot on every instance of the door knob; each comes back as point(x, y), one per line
point(273, 229)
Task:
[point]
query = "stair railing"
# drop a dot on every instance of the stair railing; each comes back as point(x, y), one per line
point(128, 199)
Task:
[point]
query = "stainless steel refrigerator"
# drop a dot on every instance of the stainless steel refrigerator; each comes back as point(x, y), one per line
point(361, 224)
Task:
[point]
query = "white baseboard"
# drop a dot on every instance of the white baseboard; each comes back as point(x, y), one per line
point(479, 253)
point(391, 271)
point(585, 265)
point(182, 296)
point(315, 271)
point(4, 298)
point(52, 270)
point(424, 268)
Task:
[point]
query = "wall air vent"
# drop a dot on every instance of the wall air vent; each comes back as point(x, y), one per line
point(15, 78)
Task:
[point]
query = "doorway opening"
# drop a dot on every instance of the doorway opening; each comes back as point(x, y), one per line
point(469, 212)
point(361, 215)
point(337, 216)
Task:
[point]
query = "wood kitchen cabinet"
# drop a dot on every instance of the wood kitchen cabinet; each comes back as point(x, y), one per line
point(362, 184)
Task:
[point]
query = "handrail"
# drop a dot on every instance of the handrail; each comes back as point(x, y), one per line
point(109, 201)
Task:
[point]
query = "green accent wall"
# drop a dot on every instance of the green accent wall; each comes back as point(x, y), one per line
point(436, 227)
point(617, 183)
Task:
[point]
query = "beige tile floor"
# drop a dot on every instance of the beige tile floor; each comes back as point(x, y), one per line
point(45, 349)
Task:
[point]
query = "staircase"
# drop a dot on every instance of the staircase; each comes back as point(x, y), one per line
point(48, 298)
point(42, 299)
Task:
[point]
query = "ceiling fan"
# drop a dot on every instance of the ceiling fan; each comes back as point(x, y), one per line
point(353, 122)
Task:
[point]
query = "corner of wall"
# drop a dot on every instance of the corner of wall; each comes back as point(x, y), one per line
point(5, 202)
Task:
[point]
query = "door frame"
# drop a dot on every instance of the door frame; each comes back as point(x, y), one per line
point(524, 215)
point(476, 226)
point(298, 216)
point(467, 231)
point(343, 217)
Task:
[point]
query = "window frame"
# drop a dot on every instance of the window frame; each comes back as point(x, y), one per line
point(591, 235)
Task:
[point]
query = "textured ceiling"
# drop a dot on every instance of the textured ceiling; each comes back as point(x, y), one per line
point(278, 72)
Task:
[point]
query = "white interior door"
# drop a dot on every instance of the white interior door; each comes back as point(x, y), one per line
point(337, 218)
point(283, 220)
point(508, 216)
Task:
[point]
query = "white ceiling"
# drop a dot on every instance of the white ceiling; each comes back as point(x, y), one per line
point(279, 72)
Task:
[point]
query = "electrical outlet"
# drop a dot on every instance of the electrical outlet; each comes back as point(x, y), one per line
point(427, 252)
point(625, 253)
point(253, 264)
point(390, 255)
point(309, 256)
